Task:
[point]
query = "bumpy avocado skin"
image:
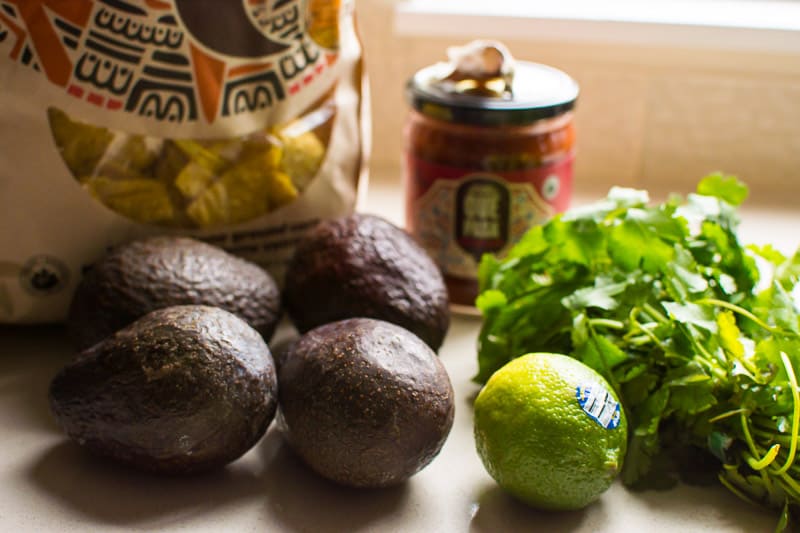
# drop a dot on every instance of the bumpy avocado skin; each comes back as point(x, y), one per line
point(364, 402)
point(158, 272)
point(364, 266)
point(183, 389)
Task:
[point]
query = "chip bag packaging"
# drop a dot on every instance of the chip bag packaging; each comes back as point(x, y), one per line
point(238, 122)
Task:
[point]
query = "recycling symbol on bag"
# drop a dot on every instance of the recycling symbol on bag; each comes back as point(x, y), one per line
point(43, 274)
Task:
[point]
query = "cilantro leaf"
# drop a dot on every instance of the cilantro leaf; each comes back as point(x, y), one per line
point(634, 244)
point(691, 313)
point(727, 188)
point(600, 296)
point(490, 300)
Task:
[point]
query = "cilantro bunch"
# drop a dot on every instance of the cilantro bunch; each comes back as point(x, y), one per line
point(698, 334)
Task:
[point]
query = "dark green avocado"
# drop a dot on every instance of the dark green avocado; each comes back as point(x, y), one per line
point(364, 402)
point(182, 389)
point(158, 272)
point(364, 266)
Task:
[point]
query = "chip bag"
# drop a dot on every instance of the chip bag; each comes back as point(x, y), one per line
point(238, 122)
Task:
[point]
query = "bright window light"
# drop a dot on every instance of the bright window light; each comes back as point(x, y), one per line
point(753, 25)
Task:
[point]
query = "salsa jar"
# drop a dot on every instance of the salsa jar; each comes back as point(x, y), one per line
point(482, 166)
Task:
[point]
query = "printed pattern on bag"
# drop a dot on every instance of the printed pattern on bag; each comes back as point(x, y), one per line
point(177, 61)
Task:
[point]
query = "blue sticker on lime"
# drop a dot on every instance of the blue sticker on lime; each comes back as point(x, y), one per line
point(598, 403)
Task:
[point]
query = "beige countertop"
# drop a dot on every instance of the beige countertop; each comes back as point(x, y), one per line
point(48, 484)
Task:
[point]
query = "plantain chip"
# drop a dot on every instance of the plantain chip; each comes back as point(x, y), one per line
point(238, 195)
point(280, 189)
point(134, 159)
point(194, 179)
point(169, 163)
point(190, 183)
point(141, 199)
point(301, 158)
point(82, 146)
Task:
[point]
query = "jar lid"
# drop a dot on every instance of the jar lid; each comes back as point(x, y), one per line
point(536, 92)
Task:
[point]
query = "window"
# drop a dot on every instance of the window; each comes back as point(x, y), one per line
point(761, 25)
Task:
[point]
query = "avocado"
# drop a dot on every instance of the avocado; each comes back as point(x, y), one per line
point(182, 389)
point(149, 274)
point(363, 402)
point(364, 266)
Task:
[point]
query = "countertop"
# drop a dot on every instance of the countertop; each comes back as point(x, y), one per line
point(49, 484)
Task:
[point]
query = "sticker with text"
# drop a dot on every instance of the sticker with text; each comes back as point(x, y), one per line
point(599, 404)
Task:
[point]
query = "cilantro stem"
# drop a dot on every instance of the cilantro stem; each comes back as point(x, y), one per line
point(703, 355)
point(641, 327)
point(655, 313)
point(650, 334)
point(790, 486)
point(638, 340)
point(769, 457)
point(768, 483)
point(795, 413)
point(785, 440)
point(607, 323)
point(727, 414)
point(734, 489)
point(739, 310)
point(768, 424)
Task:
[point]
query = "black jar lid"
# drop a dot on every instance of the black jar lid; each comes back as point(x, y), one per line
point(537, 92)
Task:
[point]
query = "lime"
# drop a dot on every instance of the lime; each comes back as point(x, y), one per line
point(550, 431)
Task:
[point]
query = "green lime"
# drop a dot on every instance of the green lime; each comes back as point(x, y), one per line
point(550, 431)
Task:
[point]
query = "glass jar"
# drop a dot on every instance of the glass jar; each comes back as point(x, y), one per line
point(481, 170)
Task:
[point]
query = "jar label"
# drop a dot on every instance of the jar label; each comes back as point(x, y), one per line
point(459, 214)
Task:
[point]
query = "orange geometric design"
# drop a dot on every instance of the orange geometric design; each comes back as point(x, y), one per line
point(76, 12)
point(209, 76)
point(19, 32)
point(248, 69)
point(157, 4)
point(53, 59)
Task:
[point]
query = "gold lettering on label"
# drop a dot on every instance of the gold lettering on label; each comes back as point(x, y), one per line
point(482, 212)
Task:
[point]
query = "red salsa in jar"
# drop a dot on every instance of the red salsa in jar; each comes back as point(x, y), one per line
point(484, 165)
